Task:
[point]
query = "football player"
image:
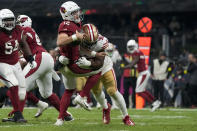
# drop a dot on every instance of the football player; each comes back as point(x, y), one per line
point(139, 60)
point(108, 78)
point(113, 53)
point(10, 70)
point(68, 40)
point(43, 73)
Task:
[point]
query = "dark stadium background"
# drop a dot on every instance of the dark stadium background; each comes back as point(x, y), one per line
point(117, 19)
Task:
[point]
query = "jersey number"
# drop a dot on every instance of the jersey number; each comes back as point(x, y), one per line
point(9, 48)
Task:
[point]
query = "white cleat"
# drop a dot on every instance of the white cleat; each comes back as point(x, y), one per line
point(42, 106)
point(59, 122)
point(82, 101)
point(114, 107)
point(98, 105)
point(155, 105)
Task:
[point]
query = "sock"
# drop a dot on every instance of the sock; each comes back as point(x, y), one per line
point(113, 101)
point(147, 96)
point(13, 95)
point(64, 103)
point(31, 97)
point(92, 80)
point(120, 102)
point(88, 98)
point(22, 103)
point(101, 100)
point(55, 101)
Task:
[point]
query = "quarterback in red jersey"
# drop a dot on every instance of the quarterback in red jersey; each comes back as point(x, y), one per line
point(68, 40)
point(144, 75)
point(10, 70)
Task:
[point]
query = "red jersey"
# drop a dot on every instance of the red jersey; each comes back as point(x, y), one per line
point(71, 50)
point(33, 40)
point(9, 46)
point(141, 66)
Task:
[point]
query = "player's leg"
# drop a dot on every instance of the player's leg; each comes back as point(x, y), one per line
point(45, 86)
point(8, 77)
point(82, 98)
point(110, 84)
point(142, 81)
point(32, 75)
point(100, 98)
point(70, 85)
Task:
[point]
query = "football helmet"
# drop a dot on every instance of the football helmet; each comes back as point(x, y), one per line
point(110, 49)
point(71, 11)
point(24, 20)
point(131, 46)
point(7, 19)
point(90, 35)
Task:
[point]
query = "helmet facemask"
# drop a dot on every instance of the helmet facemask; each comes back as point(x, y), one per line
point(8, 23)
point(88, 45)
point(76, 16)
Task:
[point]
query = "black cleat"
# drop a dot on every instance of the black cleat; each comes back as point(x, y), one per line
point(69, 117)
point(18, 117)
point(8, 120)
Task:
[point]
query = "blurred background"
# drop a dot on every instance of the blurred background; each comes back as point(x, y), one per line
point(174, 28)
point(173, 20)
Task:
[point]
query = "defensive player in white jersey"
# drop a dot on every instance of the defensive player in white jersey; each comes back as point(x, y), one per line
point(10, 70)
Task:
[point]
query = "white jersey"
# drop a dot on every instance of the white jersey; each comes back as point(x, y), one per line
point(102, 44)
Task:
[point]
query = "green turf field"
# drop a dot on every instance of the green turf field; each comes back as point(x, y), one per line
point(161, 120)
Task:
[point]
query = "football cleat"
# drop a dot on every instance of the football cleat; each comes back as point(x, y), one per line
point(98, 105)
point(68, 117)
point(114, 107)
point(106, 114)
point(18, 117)
point(42, 106)
point(127, 121)
point(59, 122)
point(155, 105)
point(82, 101)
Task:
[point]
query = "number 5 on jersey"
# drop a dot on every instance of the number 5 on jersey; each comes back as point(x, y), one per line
point(11, 46)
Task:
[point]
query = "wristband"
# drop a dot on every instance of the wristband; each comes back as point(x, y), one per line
point(93, 53)
point(74, 37)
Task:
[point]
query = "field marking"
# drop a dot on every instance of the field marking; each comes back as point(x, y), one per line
point(91, 123)
point(153, 117)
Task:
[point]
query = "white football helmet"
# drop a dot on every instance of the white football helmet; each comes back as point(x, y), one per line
point(7, 19)
point(132, 46)
point(24, 20)
point(110, 49)
point(70, 11)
